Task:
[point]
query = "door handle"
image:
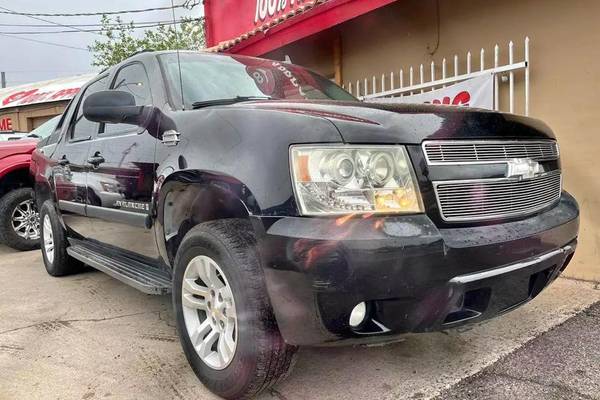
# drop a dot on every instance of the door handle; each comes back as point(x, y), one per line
point(63, 161)
point(96, 159)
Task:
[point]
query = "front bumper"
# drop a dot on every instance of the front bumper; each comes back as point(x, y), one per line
point(413, 276)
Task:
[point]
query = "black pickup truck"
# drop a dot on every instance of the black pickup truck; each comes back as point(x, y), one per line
point(282, 212)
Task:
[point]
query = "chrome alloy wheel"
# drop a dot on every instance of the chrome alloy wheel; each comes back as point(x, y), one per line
point(209, 312)
point(26, 220)
point(48, 238)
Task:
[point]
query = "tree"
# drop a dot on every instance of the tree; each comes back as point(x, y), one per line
point(120, 42)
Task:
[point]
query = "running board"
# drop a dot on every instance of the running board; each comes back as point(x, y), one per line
point(143, 277)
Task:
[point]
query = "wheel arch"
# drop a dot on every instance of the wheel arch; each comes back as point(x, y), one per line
point(191, 197)
point(15, 175)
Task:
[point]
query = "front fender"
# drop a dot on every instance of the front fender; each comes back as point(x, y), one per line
point(13, 163)
point(187, 198)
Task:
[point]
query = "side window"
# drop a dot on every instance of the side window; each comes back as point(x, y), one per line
point(132, 79)
point(55, 135)
point(81, 127)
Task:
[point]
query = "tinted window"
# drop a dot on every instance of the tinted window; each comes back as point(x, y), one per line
point(210, 77)
point(131, 79)
point(82, 128)
point(44, 130)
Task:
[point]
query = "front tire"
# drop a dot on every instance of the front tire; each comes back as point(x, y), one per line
point(54, 243)
point(224, 319)
point(19, 220)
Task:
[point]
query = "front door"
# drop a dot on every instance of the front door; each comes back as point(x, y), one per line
point(70, 163)
point(120, 181)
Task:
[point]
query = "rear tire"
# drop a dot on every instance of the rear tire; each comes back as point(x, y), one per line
point(54, 243)
point(224, 252)
point(19, 220)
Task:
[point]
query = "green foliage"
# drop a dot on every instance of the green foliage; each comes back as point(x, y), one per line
point(120, 42)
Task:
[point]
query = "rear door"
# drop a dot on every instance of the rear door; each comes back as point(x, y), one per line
point(70, 164)
point(120, 182)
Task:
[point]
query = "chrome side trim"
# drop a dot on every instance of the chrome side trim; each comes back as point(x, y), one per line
point(136, 219)
point(71, 206)
point(483, 142)
point(463, 279)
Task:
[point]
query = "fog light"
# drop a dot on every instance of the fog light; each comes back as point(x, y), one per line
point(358, 315)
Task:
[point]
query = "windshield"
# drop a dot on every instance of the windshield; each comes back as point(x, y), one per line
point(208, 77)
point(46, 129)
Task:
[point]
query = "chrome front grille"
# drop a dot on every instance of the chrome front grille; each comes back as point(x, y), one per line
point(474, 152)
point(472, 200)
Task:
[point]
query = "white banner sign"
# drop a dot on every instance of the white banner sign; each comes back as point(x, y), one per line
point(43, 92)
point(475, 92)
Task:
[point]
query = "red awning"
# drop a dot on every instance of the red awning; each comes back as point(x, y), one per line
point(255, 27)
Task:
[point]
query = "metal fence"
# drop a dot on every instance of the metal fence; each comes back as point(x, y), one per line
point(393, 85)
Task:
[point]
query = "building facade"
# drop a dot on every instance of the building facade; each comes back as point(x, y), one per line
point(350, 40)
point(25, 107)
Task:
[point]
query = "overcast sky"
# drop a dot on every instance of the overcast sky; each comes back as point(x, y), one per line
point(25, 61)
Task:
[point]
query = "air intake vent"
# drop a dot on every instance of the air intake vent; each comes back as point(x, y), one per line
point(467, 152)
point(485, 199)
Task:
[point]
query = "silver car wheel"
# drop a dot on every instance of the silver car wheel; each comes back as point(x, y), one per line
point(26, 220)
point(209, 312)
point(48, 238)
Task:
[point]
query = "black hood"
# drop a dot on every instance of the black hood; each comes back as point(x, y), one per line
point(411, 123)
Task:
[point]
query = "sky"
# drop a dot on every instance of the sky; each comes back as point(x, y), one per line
point(25, 61)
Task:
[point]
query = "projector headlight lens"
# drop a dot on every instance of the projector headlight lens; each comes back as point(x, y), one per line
point(354, 179)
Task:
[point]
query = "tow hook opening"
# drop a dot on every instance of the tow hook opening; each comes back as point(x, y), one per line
point(471, 305)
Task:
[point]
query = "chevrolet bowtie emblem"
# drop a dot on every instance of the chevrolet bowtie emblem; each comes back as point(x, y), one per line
point(523, 168)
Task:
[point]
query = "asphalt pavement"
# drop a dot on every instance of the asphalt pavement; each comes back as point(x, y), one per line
point(88, 336)
point(563, 363)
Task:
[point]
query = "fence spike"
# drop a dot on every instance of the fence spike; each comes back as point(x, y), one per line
point(456, 65)
point(496, 85)
point(444, 70)
point(482, 60)
point(511, 77)
point(468, 62)
point(527, 75)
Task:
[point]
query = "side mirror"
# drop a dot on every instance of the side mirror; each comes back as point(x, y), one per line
point(114, 107)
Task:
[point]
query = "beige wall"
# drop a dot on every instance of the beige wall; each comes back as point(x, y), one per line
point(314, 52)
point(27, 118)
point(565, 73)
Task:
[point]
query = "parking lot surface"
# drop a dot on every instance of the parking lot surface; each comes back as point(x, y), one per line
point(89, 336)
point(560, 364)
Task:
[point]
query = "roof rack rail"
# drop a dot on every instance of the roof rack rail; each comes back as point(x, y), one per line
point(140, 52)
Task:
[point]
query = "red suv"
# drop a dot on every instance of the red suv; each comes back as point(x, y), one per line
point(19, 221)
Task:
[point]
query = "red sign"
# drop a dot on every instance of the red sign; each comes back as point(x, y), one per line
point(264, 25)
point(39, 96)
point(43, 92)
point(6, 124)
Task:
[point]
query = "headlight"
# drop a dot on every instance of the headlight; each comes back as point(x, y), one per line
point(354, 179)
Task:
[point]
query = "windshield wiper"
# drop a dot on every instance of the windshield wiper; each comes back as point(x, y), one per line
point(233, 100)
